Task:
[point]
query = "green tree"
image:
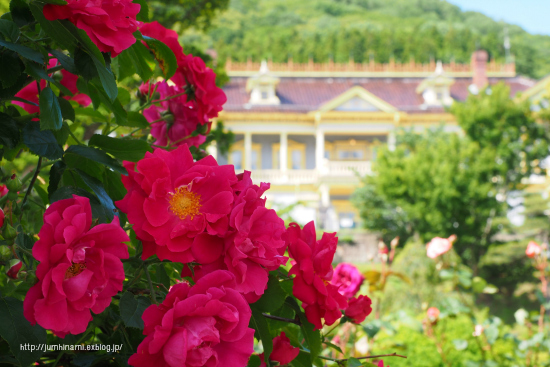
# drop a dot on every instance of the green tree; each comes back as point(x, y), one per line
point(435, 184)
point(494, 120)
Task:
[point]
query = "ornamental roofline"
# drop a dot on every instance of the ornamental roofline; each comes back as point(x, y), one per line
point(370, 69)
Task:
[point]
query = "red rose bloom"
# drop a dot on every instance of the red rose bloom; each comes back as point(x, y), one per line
point(172, 121)
point(203, 325)
point(178, 206)
point(80, 268)
point(283, 352)
point(313, 270)
point(2, 217)
point(14, 269)
point(108, 23)
point(358, 309)
point(200, 82)
point(253, 244)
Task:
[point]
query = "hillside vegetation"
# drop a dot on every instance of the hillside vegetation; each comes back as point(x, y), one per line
point(364, 30)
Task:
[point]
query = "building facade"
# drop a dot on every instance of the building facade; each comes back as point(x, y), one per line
point(312, 130)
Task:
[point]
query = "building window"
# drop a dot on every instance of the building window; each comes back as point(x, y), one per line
point(296, 155)
point(347, 220)
point(350, 154)
point(236, 155)
point(236, 159)
point(264, 95)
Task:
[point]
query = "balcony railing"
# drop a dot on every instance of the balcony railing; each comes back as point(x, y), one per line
point(334, 171)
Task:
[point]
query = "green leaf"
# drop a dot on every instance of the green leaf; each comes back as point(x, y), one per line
point(66, 61)
point(17, 331)
point(143, 15)
point(55, 29)
point(20, 12)
point(10, 69)
point(9, 92)
point(87, 43)
point(165, 57)
point(273, 297)
point(333, 346)
point(353, 362)
point(460, 344)
point(56, 172)
point(41, 142)
point(97, 155)
point(254, 361)
point(9, 131)
point(107, 80)
point(131, 309)
point(50, 111)
point(94, 114)
point(24, 51)
point(97, 187)
point(67, 110)
point(115, 106)
point(55, 2)
point(25, 241)
point(128, 150)
point(140, 57)
point(478, 284)
point(136, 119)
point(302, 360)
point(258, 323)
point(9, 29)
point(313, 337)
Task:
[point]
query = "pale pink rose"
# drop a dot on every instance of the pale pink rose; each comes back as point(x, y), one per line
point(438, 246)
point(533, 249)
point(433, 313)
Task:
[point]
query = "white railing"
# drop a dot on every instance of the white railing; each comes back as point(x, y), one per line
point(345, 171)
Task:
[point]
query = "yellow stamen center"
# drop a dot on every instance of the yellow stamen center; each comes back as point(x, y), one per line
point(74, 270)
point(185, 203)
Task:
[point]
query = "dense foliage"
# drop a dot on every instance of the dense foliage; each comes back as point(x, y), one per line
point(365, 29)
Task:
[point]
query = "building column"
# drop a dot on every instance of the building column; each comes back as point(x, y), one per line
point(319, 149)
point(247, 150)
point(212, 149)
point(283, 152)
point(391, 141)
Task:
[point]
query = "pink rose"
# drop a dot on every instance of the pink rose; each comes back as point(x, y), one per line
point(110, 24)
point(438, 246)
point(178, 207)
point(3, 191)
point(348, 279)
point(358, 309)
point(313, 272)
point(533, 249)
point(172, 121)
point(2, 217)
point(433, 313)
point(202, 325)
point(80, 268)
point(283, 352)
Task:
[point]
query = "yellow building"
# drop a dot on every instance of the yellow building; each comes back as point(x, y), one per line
point(312, 129)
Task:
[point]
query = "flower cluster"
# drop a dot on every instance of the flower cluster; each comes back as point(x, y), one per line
point(189, 103)
point(202, 325)
point(201, 212)
point(80, 268)
point(110, 24)
point(313, 271)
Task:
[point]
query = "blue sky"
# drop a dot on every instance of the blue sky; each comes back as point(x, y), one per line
point(531, 15)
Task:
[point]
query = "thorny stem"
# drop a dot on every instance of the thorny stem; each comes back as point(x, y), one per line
point(153, 295)
point(283, 319)
point(31, 184)
point(366, 357)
